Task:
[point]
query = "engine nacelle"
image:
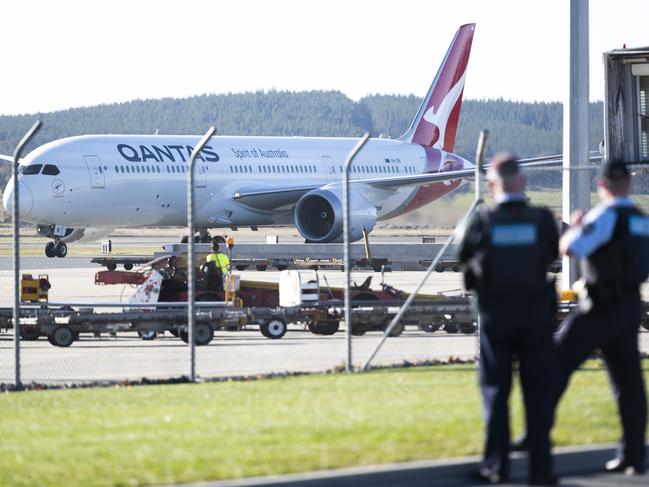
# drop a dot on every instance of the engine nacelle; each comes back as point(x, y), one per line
point(319, 215)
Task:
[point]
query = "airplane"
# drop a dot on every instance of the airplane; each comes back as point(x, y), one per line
point(81, 188)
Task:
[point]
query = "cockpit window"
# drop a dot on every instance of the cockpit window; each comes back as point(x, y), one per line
point(51, 170)
point(32, 169)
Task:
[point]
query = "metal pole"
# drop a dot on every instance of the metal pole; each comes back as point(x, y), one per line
point(347, 251)
point(191, 280)
point(576, 183)
point(480, 150)
point(479, 199)
point(479, 158)
point(15, 215)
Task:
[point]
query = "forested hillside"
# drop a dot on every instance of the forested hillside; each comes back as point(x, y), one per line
point(527, 129)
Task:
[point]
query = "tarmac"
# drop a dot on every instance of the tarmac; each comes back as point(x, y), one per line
point(576, 466)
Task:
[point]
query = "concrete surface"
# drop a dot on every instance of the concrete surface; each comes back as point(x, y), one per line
point(577, 466)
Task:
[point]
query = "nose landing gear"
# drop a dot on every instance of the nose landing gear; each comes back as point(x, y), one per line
point(56, 249)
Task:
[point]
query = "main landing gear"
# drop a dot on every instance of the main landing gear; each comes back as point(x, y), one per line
point(203, 237)
point(56, 249)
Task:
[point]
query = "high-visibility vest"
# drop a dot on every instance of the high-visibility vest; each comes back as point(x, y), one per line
point(221, 260)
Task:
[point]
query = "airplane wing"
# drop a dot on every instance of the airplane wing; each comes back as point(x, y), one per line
point(6, 158)
point(275, 197)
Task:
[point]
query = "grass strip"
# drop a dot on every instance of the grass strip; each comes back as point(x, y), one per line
point(182, 433)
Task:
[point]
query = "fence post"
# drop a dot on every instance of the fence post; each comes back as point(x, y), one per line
point(347, 250)
point(15, 216)
point(191, 279)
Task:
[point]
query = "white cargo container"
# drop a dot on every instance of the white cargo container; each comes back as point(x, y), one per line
point(298, 287)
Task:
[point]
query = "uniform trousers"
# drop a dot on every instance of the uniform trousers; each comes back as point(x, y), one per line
point(520, 327)
point(612, 328)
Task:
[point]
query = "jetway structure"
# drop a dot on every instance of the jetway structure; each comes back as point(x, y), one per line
point(626, 105)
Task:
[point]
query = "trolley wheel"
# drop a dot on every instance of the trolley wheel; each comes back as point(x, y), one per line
point(324, 327)
point(449, 328)
point(240, 267)
point(111, 266)
point(218, 239)
point(281, 267)
point(147, 334)
point(358, 330)
point(273, 329)
point(429, 327)
point(50, 249)
point(396, 331)
point(468, 328)
point(184, 239)
point(62, 336)
point(203, 334)
point(261, 268)
point(128, 266)
point(61, 249)
point(29, 333)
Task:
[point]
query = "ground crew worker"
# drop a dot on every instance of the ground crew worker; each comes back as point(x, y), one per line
point(220, 266)
point(612, 241)
point(505, 253)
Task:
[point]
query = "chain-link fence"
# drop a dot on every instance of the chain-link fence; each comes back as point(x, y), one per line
point(115, 352)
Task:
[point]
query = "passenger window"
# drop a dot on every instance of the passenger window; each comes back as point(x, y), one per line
point(32, 169)
point(51, 170)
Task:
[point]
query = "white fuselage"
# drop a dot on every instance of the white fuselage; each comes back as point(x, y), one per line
point(134, 180)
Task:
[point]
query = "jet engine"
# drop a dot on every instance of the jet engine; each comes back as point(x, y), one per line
point(319, 215)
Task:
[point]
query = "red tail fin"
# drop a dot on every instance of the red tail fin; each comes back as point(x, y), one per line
point(436, 121)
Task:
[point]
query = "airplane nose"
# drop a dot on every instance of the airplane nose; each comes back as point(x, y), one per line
point(26, 203)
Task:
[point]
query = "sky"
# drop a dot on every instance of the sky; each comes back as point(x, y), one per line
point(69, 53)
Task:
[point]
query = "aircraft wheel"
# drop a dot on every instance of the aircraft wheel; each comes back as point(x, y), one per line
point(61, 249)
point(450, 328)
point(50, 249)
point(273, 329)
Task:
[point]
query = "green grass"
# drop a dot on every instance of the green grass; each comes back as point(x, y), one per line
point(182, 433)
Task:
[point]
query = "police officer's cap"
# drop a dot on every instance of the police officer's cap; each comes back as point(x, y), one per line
point(615, 171)
point(503, 164)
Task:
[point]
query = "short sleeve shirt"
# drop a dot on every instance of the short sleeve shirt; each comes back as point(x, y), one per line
point(597, 228)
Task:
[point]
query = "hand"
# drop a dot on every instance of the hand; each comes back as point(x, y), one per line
point(576, 218)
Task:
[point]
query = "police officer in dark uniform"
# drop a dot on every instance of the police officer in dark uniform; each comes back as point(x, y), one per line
point(506, 251)
point(612, 242)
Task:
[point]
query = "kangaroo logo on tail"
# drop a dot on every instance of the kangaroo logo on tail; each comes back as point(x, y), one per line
point(440, 116)
point(436, 121)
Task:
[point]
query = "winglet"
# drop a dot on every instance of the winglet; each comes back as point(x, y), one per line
point(437, 118)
